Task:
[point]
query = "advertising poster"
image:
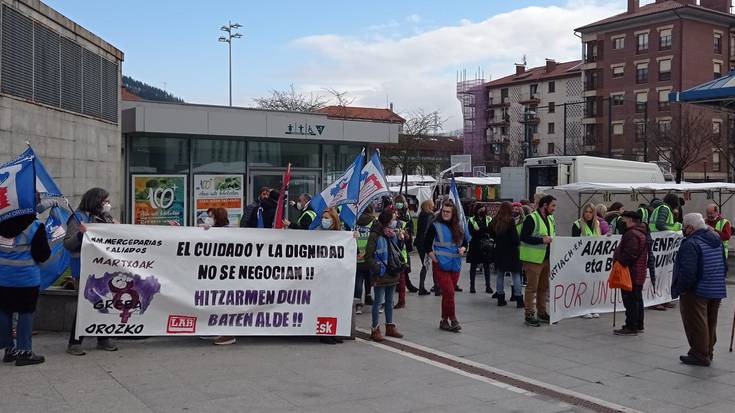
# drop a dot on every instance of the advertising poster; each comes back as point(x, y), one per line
point(159, 199)
point(218, 191)
point(165, 280)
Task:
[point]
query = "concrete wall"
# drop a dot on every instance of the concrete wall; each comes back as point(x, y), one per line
point(78, 151)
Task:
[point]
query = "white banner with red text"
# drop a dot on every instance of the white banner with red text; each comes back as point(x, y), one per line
point(140, 280)
point(579, 268)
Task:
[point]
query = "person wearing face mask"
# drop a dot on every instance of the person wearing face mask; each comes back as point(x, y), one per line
point(94, 208)
point(306, 214)
point(539, 229)
point(479, 226)
point(330, 221)
point(404, 229)
point(699, 275)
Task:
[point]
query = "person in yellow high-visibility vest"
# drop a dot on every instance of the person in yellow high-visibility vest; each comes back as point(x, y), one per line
point(539, 229)
point(662, 217)
point(720, 225)
point(587, 226)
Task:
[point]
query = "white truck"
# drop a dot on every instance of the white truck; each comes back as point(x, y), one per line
point(551, 171)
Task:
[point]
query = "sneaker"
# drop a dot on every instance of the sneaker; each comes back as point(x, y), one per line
point(444, 325)
point(422, 291)
point(625, 332)
point(458, 289)
point(669, 305)
point(544, 318)
point(489, 290)
point(224, 341)
point(358, 309)
point(75, 350)
point(595, 315)
point(455, 326)
point(472, 290)
point(11, 354)
point(328, 340)
point(532, 321)
point(368, 300)
point(106, 344)
point(693, 361)
point(27, 358)
point(382, 309)
point(659, 307)
point(588, 316)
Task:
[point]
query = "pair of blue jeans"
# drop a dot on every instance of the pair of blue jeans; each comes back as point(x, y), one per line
point(383, 295)
point(23, 331)
point(360, 278)
point(500, 283)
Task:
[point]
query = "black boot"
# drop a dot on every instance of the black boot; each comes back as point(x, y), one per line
point(519, 302)
point(409, 285)
point(10, 355)
point(512, 298)
point(501, 300)
point(26, 358)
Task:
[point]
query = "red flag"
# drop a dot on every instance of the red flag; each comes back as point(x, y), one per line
point(278, 221)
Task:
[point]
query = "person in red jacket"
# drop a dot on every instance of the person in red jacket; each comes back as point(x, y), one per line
point(632, 252)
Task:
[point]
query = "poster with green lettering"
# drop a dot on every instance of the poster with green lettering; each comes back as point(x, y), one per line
point(159, 199)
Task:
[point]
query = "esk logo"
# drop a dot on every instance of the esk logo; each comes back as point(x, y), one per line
point(326, 326)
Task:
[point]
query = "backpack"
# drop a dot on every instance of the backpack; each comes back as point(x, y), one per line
point(395, 264)
point(487, 246)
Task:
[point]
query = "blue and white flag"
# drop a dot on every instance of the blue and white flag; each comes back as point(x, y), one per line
point(60, 259)
point(372, 185)
point(454, 196)
point(344, 190)
point(45, 185)
point(17, 196)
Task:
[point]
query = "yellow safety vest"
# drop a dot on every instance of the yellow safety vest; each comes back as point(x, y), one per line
point(586, 230)
point(537, 253)
point(718, 226)
point(672, 226)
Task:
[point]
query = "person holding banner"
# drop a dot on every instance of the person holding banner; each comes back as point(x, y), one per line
point(383, 257)
point(633, 252)
point(445, 242)
point(587, 226)
point(507, 256)
point(23, 246)
point(362, 275)
point(537, 233)
point(95, 208)
point(699, 282)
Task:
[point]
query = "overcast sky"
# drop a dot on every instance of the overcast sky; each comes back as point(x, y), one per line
point(405, 52)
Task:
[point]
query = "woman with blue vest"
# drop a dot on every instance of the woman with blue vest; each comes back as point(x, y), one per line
point(23, 245)
point(94, 208)
point(383, 258)
point(445, 243)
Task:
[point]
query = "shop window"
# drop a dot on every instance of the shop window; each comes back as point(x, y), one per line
point(159, 155)
point(278, 154)
point(219, 156)
point(337, 158)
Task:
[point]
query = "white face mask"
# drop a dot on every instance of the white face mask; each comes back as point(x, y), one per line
point(106, 207)
point(209, 221)
point(393, 223)
point(299, 206)
point(326, 223)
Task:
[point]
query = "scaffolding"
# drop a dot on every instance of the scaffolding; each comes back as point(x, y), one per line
point(466, 93)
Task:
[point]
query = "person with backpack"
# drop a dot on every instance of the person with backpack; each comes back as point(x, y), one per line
point(481, 249)
point(633, 252)
point(383, 258)
point(614, 218)
point(506, 254)
point(445, 243)
point(23, 246)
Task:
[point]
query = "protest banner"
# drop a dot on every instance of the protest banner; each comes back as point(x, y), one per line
point(222, 281)
point(579, 268)
point(218, 191)
point(159, 199)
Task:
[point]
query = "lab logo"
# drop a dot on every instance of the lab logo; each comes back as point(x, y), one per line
point(121, 292)
point(326, 326)
point(181, 324)
point(304, 129)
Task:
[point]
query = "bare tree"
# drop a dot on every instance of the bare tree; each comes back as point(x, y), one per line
point(291, 100)
point(685, 142)
point(420, 126)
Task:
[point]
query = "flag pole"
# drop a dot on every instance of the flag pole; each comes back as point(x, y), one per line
point(732, 334)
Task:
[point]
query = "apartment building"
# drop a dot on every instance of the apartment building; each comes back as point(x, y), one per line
point(632, 61)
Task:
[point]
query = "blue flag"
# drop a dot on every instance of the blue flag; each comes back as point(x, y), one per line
point(454, 196)
point(45, 185)
point(344, 190)
point(60, 259)
point(17, 195)
point(372, 185)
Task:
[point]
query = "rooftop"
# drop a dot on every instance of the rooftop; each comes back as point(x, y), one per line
point(560, 70)
point(362, 113)
point(652, 9)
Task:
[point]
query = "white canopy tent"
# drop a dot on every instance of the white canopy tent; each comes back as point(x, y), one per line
point(571, 197)
point(472, 180)
point(411, 179)
point(422, 193)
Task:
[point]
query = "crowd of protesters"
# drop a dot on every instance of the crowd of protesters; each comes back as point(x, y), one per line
point(513, 245)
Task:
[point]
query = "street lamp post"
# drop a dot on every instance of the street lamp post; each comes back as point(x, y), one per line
point(228, 39)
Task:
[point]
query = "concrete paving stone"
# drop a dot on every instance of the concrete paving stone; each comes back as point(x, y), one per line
point(176, 396)
point(592, 374)
point(523, 404)
point(562, 380)
point(634, 401)
point(249, 403)
point(668, 378)
point(663, 393)
point(716, 407)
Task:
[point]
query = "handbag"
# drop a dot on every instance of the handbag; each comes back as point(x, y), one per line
point(487, 246)
point(620, 277)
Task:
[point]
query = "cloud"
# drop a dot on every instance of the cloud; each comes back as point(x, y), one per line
point(418, 70)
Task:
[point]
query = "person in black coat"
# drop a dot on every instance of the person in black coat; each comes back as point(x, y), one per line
point(426, 218)
point(507, 253)
point(479, 228)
